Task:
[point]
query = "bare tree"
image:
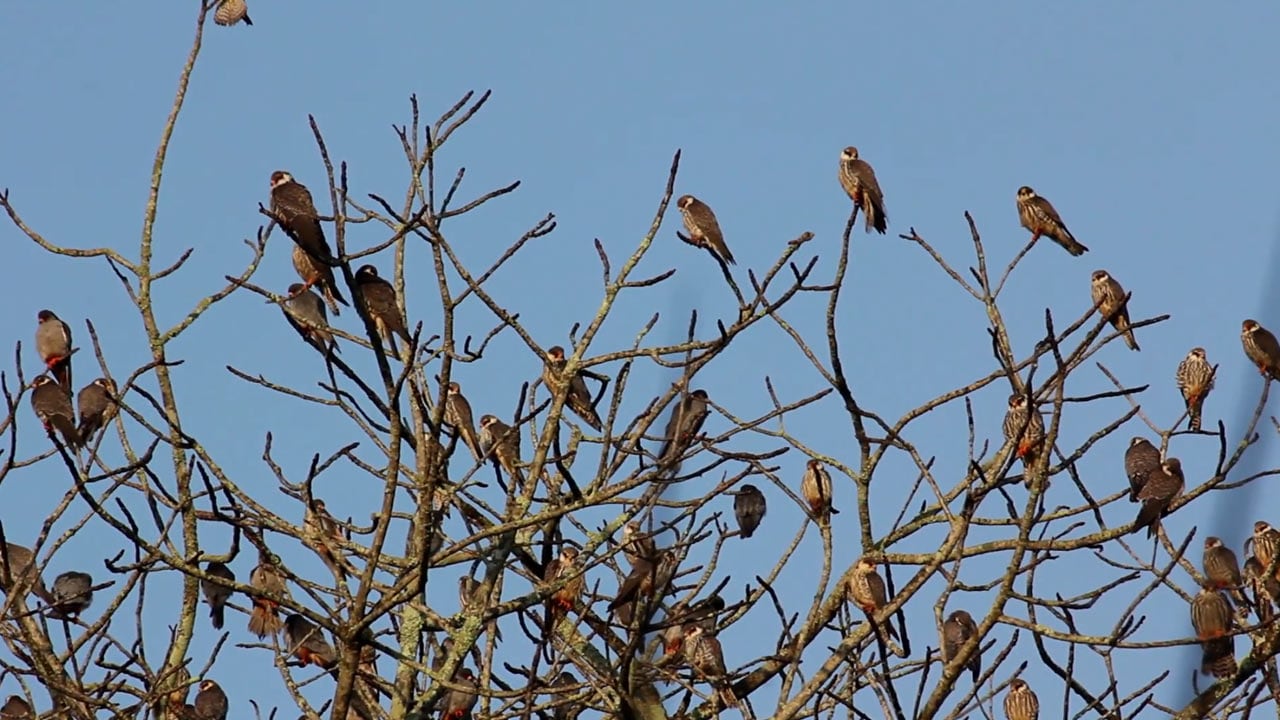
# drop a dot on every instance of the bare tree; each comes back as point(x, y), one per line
point(584, 524)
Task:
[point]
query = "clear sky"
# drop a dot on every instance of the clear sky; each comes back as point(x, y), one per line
point(1151, 130)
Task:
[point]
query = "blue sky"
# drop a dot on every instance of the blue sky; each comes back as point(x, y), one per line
point(1152, 133)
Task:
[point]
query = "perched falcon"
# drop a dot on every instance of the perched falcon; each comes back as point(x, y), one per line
point(1261, 348)
point(647, 583)
point(1140, 461)
point(305, 312)
point(317, 274)
point(230, 12)
point(578, 397)
point(859, 181)
point(264, 621)
point(568, 709)
point(457, 704)
point(1266, 590)
point(15, 708)
point(380, 300)
point(21, 567)
point(504, 442)
point(177, 684)
point(567, 597)
point(1109, 298)
point(1211, 618)
point(682, 429)
point(305, 641)
point(217, 595)
point(1038, 216)
point(1195, 380)
point(1158, 494)
point(53, 408)
point(867, 590)
point(1025, 428)
point(211, 702)
point(97, 406)
point(295, 211)
point(956, 631)
point(470, 600)
point(1266, 544)
point(321, 533)
point(703, 653)
point(637, 545)
point(1021, 703)
point(703, 228)
point(748, 509)
point(816, 489)
point(1222, 569)
point(72, 594)
point(457, 412)
point(53, 342)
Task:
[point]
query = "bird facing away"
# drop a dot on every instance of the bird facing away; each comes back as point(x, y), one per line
point(1195, 381)
point(52, 406)
point(265, 618)
point(1222, 569)
point(1141, 460)
point(1021, 703)
point(566, 598)
point(217, 595)
point(19, 562)
point(816, 488)
point(294, 209)
point(1158, 494)
point(577, 397)
point(1266, 544)
point(957, 630)
point(504, 442)
point(1266, 590)
point(1037, 215)
point(859, 181)
point(15, 708)
point(211, 702)
point(703, 228)
point(380, 300)
point(97, 406)
point(323, 534)
point(703, 653)
point(53, 342)
point(748, 509)
point(1211, 618)
point(305, 312)
point(1110, 300)
point(684, 425)
point(72, 594)
point(306, 642)
point(457, 704)
point(1262, 349)
point(230, 12)
point(317, 274)
point(867, 590)
point(1024, 426)
point(457, 412)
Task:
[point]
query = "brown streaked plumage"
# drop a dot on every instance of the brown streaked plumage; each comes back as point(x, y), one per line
point(683, 427)
point(296, 212)
point(816, 489)
point(703, 228)
point(1158, 494)
point(1025, 428)
point(859, 181)
point(1021, 703)
point(217, 595)
point(637, 545)
point(1141, 460)
point(1109, 298)
point(956, 631)
point(644, 587)
point(703, 653)
point(53, 342)
point(265, 618)
point(1211, 618)
point(52, 406)
point(749, 508)
point(97, 406)
point(317, 274)
point(380, 299)
point(1195, 381)
point(1266, 590)
point(1261, 347)
point(470, 600)
point(1266, 545)
point(1222, 569)
point(1039, 216)
point(867, 590)
point(457, 412)
point(211, 702)
point(305, 312)
point(568, 596)
point(577, 396)
point(229, 13)
point(504, 442)
point(323, 534)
